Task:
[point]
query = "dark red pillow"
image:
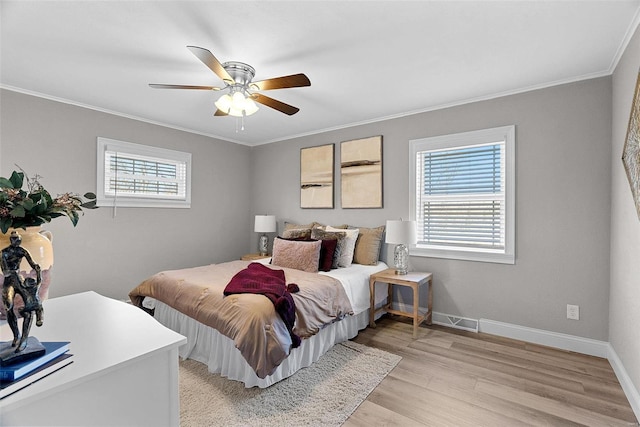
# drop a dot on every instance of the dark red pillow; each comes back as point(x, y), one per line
point(327, 250)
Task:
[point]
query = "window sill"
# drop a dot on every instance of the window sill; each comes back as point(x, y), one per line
point(123, 202)
point(492, 257)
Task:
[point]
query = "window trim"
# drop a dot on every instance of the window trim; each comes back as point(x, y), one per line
point(478, 137)
point(139, 201)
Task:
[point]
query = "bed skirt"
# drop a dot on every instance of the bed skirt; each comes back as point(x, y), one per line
point(218, 352)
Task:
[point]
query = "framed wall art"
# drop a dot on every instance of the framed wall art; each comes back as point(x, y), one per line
point(361, 173)
point(316, 176)
point(631, 151)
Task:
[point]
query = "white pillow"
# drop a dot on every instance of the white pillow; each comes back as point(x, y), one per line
point(346, 255)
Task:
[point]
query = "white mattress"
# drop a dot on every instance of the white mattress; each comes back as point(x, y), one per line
point(355, 281)
point(219, 353)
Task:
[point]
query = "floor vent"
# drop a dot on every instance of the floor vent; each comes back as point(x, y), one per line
point(456, 322)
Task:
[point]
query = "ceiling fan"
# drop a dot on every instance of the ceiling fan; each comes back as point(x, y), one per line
point(241, 99)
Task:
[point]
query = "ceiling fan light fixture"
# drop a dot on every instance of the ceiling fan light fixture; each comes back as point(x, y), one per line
point(235, 112)
point(235, 104)
point(237, 101)
point(224, 103)
point(250, 107)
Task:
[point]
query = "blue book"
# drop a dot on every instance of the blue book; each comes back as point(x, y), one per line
point(17, 370)
point(10, 387)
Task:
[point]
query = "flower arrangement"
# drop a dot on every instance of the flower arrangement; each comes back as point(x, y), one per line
point(35, 206)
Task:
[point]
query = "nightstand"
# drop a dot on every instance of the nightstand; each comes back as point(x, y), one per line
point(253, 257)
point(412, 279)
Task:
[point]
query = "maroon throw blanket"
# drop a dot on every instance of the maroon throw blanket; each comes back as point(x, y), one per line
point(259, 279)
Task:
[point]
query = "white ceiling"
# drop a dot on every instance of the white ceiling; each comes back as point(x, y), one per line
point(366, 60)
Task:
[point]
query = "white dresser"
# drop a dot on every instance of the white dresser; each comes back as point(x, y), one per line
point(125, 369)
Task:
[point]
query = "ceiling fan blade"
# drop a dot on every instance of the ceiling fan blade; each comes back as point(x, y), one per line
point(210, 61)
point(275, 104)
point(162, 86)
point(220, 113)
point(294, 80)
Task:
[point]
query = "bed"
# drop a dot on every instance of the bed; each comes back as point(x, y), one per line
point(245, 336)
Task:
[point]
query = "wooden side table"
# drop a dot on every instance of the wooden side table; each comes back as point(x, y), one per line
point(253, 257)
point(413, 279)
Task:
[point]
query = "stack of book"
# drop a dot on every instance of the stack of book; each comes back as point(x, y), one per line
point(16, 376)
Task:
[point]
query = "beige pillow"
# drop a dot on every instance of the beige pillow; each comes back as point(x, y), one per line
point(324, 227)
point(367, 251)
point(346, 252)
point(291, 226)
point(298, 254)
point(297, 233)
point(320, 234)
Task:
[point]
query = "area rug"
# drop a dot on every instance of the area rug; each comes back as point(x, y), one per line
point(324, 394)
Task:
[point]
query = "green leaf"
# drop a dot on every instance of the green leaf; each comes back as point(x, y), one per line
point(73, 215)
point(47, 197)
point(43, 218)
point(5, 224)
point(17, 178)
point(90, 196)
point(28, 204)
point(5, 183)
point(18, 212)
point(39, 208)
point(89, 205)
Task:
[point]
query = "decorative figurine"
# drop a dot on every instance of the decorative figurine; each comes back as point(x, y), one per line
point(27, 288)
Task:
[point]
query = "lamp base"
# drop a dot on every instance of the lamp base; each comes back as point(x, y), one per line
point(401, 259)
point(263, 244)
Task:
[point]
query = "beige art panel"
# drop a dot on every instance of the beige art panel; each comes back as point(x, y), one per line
point(316, 177)
point(361, 173)
point(631, 151)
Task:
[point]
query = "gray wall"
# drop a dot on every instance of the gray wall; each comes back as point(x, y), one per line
point(563, 156)
point(624, 305)
point(563, 182)
point(113, 254)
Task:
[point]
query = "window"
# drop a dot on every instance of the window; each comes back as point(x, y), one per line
point(463, 189)
point(133, 175)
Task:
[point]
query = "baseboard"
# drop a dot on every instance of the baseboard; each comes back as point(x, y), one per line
point(456, 322)
point(442, 319)
point(548, 338)
point(625, 381)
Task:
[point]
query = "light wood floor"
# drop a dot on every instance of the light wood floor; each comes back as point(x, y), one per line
point(455, 378)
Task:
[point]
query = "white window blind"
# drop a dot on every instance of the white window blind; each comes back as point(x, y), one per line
point(127, 174)
point(462, 197)
point(463, 204)
point(142, 176)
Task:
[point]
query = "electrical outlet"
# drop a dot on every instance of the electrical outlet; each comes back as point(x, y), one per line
point(573, 312)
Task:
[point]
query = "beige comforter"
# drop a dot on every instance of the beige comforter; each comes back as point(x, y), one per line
point(250, 320)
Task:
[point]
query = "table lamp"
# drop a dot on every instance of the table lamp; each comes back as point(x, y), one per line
point(264, 224)
point(401, 233)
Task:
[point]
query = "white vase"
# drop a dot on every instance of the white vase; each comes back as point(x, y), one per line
point(39, 244)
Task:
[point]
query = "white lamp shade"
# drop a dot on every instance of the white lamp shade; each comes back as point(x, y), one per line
point(400, 232)
point(236, 105)
point(224, 103)
point(265, 224)
point(237, 101)
point(250, 106)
